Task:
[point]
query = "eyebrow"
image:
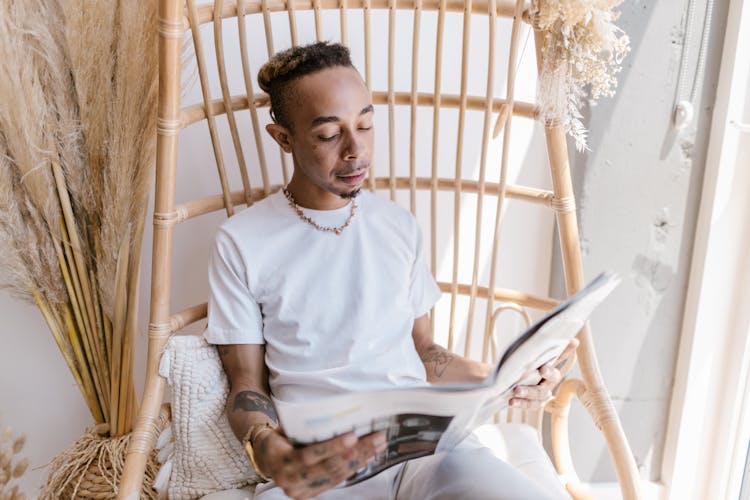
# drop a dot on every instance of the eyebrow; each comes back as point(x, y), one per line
point(327, 119)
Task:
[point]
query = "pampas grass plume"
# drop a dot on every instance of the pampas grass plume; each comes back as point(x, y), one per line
point(19, 443)
point(9, 449)
point(20, 468)
point(78, 83)
point(5, 457)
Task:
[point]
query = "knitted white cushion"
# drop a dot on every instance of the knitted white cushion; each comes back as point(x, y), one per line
point(206, 456)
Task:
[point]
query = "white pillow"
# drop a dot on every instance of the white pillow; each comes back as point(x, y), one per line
point(206, 455)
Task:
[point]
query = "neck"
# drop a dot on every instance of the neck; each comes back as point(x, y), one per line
point(308, 195)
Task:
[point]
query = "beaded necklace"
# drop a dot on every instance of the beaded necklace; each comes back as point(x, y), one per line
point(298, 210)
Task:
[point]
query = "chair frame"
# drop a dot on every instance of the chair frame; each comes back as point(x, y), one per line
point(175, 19)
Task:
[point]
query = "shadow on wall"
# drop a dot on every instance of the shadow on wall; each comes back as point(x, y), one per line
point(651, 204)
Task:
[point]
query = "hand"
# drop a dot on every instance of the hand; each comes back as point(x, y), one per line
point(534, 397)
point(305, 472)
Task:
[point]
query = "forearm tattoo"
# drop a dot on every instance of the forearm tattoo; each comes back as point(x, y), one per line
point(438, 359)
point(254, 401)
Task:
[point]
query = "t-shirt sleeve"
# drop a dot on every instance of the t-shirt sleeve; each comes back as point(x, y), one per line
point(234, 316)
point(424, 290)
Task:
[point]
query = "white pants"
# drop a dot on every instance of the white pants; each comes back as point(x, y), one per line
point(470, 471)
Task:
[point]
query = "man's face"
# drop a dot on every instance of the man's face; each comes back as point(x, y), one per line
point(332, 136)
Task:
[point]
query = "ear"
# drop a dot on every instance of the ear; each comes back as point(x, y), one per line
point(281, 135)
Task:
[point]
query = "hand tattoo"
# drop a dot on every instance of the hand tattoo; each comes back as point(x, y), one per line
point(439, 358)
point(318, 483)
point(254, 401)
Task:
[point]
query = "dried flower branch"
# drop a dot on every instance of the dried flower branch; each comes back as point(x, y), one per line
point(12, 467)
point(581, 56)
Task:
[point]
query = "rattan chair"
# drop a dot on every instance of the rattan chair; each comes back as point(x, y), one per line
point(416, 138)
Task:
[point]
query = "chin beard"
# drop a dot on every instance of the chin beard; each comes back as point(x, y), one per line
point(351, 194)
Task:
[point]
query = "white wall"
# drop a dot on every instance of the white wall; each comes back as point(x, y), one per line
point(38, 396)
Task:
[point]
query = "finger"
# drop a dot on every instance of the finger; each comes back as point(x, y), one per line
point(568, 351)
point(344, 465)
point(316, 480)
point(315, 453)
point(521, 404)
point(366, 448)
point(353, 464)
point(365, 452)
point(550, 375)
point(536, 393)
point(527, 404)
point(331, 472)
point(292, 492)
point(371, 445)
point(319, 485)
point(335, 465)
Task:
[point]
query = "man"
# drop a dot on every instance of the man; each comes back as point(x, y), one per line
point(322, 289)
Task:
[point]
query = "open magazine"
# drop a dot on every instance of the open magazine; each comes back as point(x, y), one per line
point(420, 421)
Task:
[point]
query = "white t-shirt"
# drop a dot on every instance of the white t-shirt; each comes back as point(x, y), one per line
point(335, 312)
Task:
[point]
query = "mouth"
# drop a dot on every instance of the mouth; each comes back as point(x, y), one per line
point(353, 178)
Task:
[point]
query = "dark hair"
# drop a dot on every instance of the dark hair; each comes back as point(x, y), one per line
point(277, 75)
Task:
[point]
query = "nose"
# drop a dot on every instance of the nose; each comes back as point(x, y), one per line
point(354, 146)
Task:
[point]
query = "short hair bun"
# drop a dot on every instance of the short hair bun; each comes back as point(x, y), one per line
point(291, 64)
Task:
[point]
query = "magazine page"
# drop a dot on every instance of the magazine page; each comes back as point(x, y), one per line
point(416, 422)
point(318, 421)
point(419, 421)
point(541, 343)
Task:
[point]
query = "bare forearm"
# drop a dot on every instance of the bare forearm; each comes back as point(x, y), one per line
point(248, 401)
point(443, 367)
point(440, 365)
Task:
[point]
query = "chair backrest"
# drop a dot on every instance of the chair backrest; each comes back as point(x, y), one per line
point(443, 94)
point(445, 98)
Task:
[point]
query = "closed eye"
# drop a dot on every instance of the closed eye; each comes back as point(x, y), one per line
point(328, 139)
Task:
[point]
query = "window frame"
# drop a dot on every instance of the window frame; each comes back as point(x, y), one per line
point(708, 429)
